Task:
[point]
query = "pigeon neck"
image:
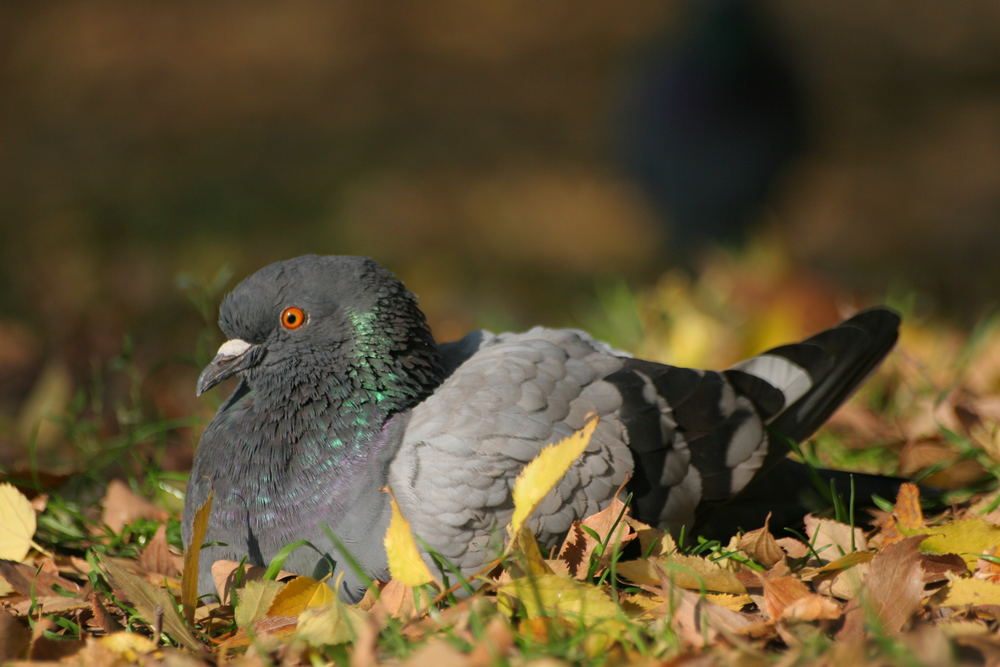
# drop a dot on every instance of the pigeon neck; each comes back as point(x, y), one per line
point(392, 363)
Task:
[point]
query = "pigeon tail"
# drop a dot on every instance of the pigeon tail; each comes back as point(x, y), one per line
point(797, 387)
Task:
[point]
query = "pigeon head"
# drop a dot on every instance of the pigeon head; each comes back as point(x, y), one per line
point(311, 316)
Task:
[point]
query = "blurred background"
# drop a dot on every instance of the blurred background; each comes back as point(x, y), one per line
point(515, 163)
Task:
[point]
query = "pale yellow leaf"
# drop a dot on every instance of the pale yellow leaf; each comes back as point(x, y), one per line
point(332, 623)
point(964, 591)
point(5, 588)
point(299, 594)
point(968, 538)
point(543, 473)
point(405, 562)
point(17, 523)
point(254, 600)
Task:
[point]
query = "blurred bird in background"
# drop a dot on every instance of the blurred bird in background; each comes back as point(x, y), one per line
point(710, 123)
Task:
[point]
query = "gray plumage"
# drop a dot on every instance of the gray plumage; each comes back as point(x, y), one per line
point(359, 396)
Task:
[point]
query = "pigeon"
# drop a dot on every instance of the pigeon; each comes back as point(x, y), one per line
point(343, 391)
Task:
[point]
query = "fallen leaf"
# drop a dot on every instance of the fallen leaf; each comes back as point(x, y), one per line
point(437, 653)
point(122, 506)
point(333, 623)
point(811, 607)
point(543, 473)
point(549, 593)
point(689, 572)
point(128, 645)
point(494, 643)
point(894, 585)
point(907, 509)
point(833, 539)
point(17, 523)
point(254, 600)
point(14, 637)
point(405, 562)
point(579, 545)
point(761, 546)
point(189, 577)
point(29, 581)
point(969, 538)
point(226, 577)
point(156, 556)
point(299, 594)
point(779, 592)
point(151, 603)
point(968, 591)
point(729, 600)
point(793, 547)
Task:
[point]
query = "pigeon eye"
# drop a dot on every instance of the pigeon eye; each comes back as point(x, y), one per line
point(292, 318)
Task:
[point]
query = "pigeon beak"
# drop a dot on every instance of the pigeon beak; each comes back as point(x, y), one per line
point(234, 355)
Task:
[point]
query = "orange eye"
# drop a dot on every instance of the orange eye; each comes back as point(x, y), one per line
point(292, 318)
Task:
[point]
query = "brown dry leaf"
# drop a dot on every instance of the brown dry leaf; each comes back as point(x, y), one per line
point(689, 572)
point(989, 569)
point(846, 584)
point(811, 607)
point(122, 506)
point(151, 603)
point(833, 539)
point(917, 455)
point(907, 509)
point(495, 643)
point(14, 637)
point(779, 592)
point(579, 545)
point(894, 586)
point(936, 567)
point(396, 601)
point(27, 581)
point(793, 547)
point(437, 653)
point(761, 546)
point(157, 558)
point(699, 622)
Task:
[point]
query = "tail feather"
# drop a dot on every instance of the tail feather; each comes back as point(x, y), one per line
point(797, 387)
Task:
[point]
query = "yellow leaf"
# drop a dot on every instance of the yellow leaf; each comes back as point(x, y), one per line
point(968, 538)
point(688, 572)
point(531, 561)
point(254, 600)
point(729, 600)
point(543, 473)
point(5, 588)
point(128, 645)
point(299, 594)
point(189, 578)
point(964, 591)
point(550, 594)
point(333, 623)
point(405, 563)
point(17, 523)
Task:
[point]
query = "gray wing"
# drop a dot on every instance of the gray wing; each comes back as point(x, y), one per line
point(465, 445)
